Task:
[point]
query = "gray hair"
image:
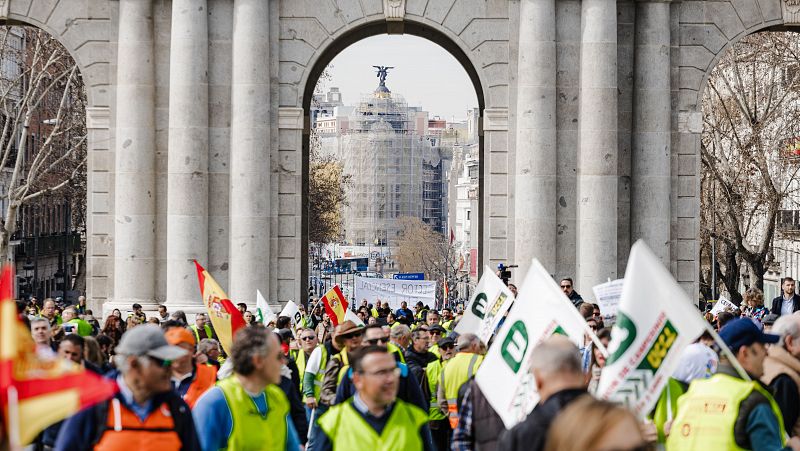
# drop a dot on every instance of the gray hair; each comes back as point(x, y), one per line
point(556, 355)
point(207, 344)
point(468, 340)
point(123, 365)
point(400, 331)
point(70, 309)
point(40, 319)
point(248, 343)
point(784, 326)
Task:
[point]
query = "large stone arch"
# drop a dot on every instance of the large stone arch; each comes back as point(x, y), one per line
point(475, 33)
point(85, 28)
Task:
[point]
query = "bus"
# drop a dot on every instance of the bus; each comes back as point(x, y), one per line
point(350, 265)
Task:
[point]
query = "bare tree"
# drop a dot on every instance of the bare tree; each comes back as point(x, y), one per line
point(43, 122)
point(751, 117)
point(420, 248)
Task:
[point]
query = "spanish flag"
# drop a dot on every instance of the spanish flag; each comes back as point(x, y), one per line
point(225, 317)
point(36, 392)
point(335, 305)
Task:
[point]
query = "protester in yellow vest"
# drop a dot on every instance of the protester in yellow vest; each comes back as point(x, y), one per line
point(726, 412)
point(374, 419)
point(347, 337)
point(400, 337)
point(440, 427)
point(230, 416)
point(447, 319)
point(200, 328)
point(458, 370)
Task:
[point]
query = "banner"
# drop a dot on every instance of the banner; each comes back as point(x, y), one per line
point(335, 305)
point(395, 291)
point(292, 311)
point(540, 310)
point(655, 322)
point(225, 317)
point(490, 302)
point(607, 295)
point(723, 305)
point(264, 313)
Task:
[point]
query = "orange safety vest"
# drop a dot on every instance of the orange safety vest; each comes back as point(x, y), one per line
point(125, 432)
point(204, 378)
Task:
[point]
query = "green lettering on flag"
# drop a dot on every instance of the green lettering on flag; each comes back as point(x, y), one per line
point(560, 331)
point(660, 348)
point(514, 345)
point(627, 330)
point(479, 305)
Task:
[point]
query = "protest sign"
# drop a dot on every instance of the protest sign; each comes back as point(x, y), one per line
point(722, 305)
point(395, 291)
point(490, 302)
point(540, 310)
point(607, 295)
point(292, 311)
point(264, 313)
point(650, 333)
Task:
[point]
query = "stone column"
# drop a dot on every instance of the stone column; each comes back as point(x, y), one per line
point(650, 190)
point(250, 156)
point(134, 183)
point(535, 168)
point(597, 149)
point(187, 162)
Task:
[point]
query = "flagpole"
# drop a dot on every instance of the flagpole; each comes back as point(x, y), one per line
point(13, 418)
point(311, 424)
point(727, 352)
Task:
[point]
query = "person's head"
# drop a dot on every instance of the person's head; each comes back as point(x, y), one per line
point(325, 318)
point(746, 342)
point(361, 315)
point(556, 365)
point(308, 339)
point(144, 358)
point(182, 338)
point(71, 348)
point(723, 318)
point(419, 306)
point(586, 310)
point(604, 335)
point(40, 330)
point(162, 310)
point(588, 424)
point(364, 303)
point(596, 312)
point(256, 355)
point(82, 300)
point(390, 318)
point(400, 335)
point(154, 320)
point(375, 335)
point(754, 297)
point(420, 339)
point(106, 344)
point(283, 322)
point(93, 352)
point(788, 327)
point(375, 375)
point(137, 308)
point(432, 318)
point(209, 347)
point(116, 313)
point(113, 322)
point(248, 317)
point(788, 286)
point(372, 320)
point(447, 314)
point(447, 348)
point(348, 335)
point(180, 316)
point(513, 289)
point(404, 305)
point(470, 343)
point(200, 320)
point(49, 308)
point(566, 286)
point(768, 321)
point(242, 308)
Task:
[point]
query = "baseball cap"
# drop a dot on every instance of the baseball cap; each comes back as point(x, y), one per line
point(445, 342)
point(744, 332)
point(148, 340)
point(437, 328)
point(178, 335)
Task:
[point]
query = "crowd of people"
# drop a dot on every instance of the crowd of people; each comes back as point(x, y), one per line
point(403, 379)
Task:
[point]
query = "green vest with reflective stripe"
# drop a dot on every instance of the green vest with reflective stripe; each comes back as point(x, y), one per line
point(252, 431)
point(206, 328)
point(707, 414)
point(394, 349)
point(345, 367)
point(347, 429)
point(435, 351)
point(434, 371)
point(448, 325)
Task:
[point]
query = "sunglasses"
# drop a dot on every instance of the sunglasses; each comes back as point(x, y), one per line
point(566, 286)
point(446, 347)
point(374, 341)
point(161, 362)
point(307, 338)
point(352, 335)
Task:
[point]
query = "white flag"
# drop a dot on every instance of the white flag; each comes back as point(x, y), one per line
point(655, 322)
point(490, 302)
point(263, 311)
point(722, 305)
point(353, 317)
point(292, 311)
point(541, 310)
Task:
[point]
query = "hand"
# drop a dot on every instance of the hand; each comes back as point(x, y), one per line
point(794, 443)
point(649, 431)
point(311, 402)
point(200, 359)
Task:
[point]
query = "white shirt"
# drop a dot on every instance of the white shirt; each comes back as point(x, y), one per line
point(787, 306)
point(312, 364)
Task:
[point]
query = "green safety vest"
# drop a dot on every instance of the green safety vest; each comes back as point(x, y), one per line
point(82, 328)
point(666, 407)
point(448, 325)
point(710, 406)
point(435, 351)
point(345, 367)
point(319, 376)
point(206, 328)
point(394, 349)
point(251, 431)
point(374, 312)
point(347, 429)
point(434, 371)
point(455, 373)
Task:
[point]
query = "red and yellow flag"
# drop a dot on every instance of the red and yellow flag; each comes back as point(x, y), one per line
point(225, 317)
point(335, 305)
point(36, 392)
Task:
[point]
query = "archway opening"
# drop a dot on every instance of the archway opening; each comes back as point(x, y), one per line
point(410, 158)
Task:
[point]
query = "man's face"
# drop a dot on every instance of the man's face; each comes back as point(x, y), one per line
point(308, 341)
point(596, 312)
point(788, 287)
point(447, 352)
point(248, 317)
point(162, 310)
point(375, 336)
point(69, 351)
point(200, 320)
point(40, 331)
point(152, 378)
point(242, 308)
point(752, 358)
point(183, 364)
point(792, 344)
point(379, 379)
point(422, 342)
point(68, 315)
point(81, 300)
point(447, 314)
point(432, 318)
point(352, 340)
point(566, 287)
point(49, 309)
point(403, 305)
point(513, 289)
point(269, 365)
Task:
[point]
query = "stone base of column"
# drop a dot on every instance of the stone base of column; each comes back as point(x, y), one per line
point(150, 307)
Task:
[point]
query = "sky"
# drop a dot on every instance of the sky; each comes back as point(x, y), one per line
point(425, 74)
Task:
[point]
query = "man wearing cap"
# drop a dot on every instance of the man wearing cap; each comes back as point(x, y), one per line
point(436, 333)
point(459, 370)
point(744, 411)
point(440, 426)
point(782, 370)
point(145, 413)
point(189, 380)
point(248, 410)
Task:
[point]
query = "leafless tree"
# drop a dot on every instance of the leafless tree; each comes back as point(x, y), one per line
point(421, 249)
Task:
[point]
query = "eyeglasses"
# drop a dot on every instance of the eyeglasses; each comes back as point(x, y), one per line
point(310, 338)
point(388, 372)
point(352, 335)
point(566, 286)
point(161, 362)
point(374, 341)
point(446, 347)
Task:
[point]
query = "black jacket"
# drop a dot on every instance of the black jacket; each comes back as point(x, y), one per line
point(776, 304)
point(531, 433)
point(576, 299)
point(417, 362)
